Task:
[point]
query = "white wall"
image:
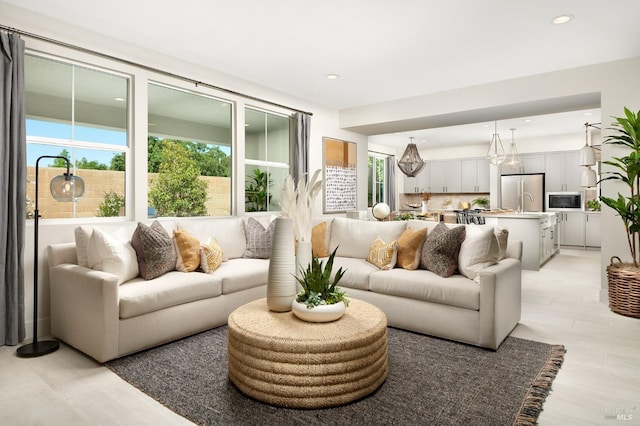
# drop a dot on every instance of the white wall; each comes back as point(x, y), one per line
point(323, 123)
point(614, 83)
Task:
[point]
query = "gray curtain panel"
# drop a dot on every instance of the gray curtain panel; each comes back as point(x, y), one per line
point(301, 146)
point(13, 180)
point(391, 182)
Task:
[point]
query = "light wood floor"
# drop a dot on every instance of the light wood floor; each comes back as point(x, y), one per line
point(600, 376)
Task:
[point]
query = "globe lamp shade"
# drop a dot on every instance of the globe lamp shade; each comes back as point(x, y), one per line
point(381, 211)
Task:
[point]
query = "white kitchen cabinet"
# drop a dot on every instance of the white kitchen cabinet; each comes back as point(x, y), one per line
point(446, 176)
point(562, 172)
point(531, 163)
point(410, 184)
point(423, 180)
point(420, 183)
point(593, 229)
point(572, 228)
point(474, 175)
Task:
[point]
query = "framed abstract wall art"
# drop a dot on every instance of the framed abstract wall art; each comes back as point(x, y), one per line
point(339, 173)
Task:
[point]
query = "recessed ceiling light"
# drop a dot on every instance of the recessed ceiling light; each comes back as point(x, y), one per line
point(588, 113)
point(332, 76)
point(562, 19)
point(485, 125)
point(528, 120)
point(119, 99)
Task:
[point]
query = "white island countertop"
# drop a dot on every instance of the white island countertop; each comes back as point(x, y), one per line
point(524, 215)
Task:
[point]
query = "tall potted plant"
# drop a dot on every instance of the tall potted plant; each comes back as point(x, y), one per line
point(624, 277)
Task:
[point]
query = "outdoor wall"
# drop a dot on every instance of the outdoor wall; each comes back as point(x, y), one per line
point(99, 182)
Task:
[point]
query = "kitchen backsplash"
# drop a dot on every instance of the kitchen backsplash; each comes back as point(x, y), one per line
point(439, 201)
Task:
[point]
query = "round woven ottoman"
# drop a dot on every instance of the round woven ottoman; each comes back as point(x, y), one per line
point(279, 359)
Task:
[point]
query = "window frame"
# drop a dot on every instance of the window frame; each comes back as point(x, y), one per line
point(72, 143)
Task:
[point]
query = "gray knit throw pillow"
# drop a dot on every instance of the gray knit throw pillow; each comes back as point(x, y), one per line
point(158, 250)
point(258, 239)
point(441, 248)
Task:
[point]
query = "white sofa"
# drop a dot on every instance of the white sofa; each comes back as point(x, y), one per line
point(92, 313)
point(479, 312)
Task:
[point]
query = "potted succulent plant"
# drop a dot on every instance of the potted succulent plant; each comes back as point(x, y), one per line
point(623, 277)
point(320, 300)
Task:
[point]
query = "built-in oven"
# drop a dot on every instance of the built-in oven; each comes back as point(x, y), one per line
point(565, 201)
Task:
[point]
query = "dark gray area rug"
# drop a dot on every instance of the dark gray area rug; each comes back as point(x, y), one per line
point(430, 381)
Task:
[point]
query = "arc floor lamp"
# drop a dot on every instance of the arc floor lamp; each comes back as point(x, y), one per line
point(65, 187)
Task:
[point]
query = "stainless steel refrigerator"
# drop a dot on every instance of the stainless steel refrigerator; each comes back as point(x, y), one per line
point(523, 192)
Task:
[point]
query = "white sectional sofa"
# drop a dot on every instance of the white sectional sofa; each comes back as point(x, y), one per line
point(93, 313)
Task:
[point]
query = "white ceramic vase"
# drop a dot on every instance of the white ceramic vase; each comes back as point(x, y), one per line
point(322, 313)
point(425, 206)
point(281, 284)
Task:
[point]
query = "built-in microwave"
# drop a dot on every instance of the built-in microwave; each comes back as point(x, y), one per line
point(565, 201)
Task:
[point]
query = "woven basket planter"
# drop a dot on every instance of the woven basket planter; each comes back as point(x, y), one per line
point(624, 288)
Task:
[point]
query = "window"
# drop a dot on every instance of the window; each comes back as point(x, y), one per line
point(377, 179)
point(189, 153)
point(267, 148)
point(79, 113)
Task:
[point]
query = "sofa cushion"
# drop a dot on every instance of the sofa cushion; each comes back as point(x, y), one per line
point(139, 296)
point(211, 256)
point(241, 274)
point(82, 235)
point(258, 239)
point(456, 290)
point(479, 250)
point(441, 248)
point(353, 237)
point(228, 232)
point(410, 248)
point(502, 237)
point(356, 274)
point(383, 255)
point(187, 251)
point(158, 249)
point(105, 253)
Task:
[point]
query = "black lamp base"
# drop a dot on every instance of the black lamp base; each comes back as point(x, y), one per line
point(38, 348)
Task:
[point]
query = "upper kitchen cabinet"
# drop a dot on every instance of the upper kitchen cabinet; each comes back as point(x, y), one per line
point(446, 176)
point(474, 175)
point(420, 183)
point(531, 163)
point(562, 171)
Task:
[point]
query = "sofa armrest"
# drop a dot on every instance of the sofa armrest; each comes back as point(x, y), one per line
point(514, 250)
point(500, 301)
point(85, 309)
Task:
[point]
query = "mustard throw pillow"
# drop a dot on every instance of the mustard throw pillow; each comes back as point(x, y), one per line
point(318, 240)
point(410, 248)
point(382, 254)
point(188, 250)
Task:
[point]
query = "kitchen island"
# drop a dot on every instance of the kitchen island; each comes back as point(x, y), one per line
point(538, 232)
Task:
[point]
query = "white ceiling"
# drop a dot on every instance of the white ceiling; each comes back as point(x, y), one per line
point(382, 50)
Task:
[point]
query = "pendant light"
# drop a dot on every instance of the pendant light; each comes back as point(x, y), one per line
point(587, 159)
point(410, 163)
point(587, 153)
point(588, 178)
point(496, 154)
point(513, 159)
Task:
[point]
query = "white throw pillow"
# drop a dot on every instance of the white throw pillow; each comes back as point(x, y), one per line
point(83, 234)
point(476, 251)
point(107, 254)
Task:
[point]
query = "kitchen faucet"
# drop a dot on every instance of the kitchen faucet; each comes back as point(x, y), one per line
point(523, 193)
